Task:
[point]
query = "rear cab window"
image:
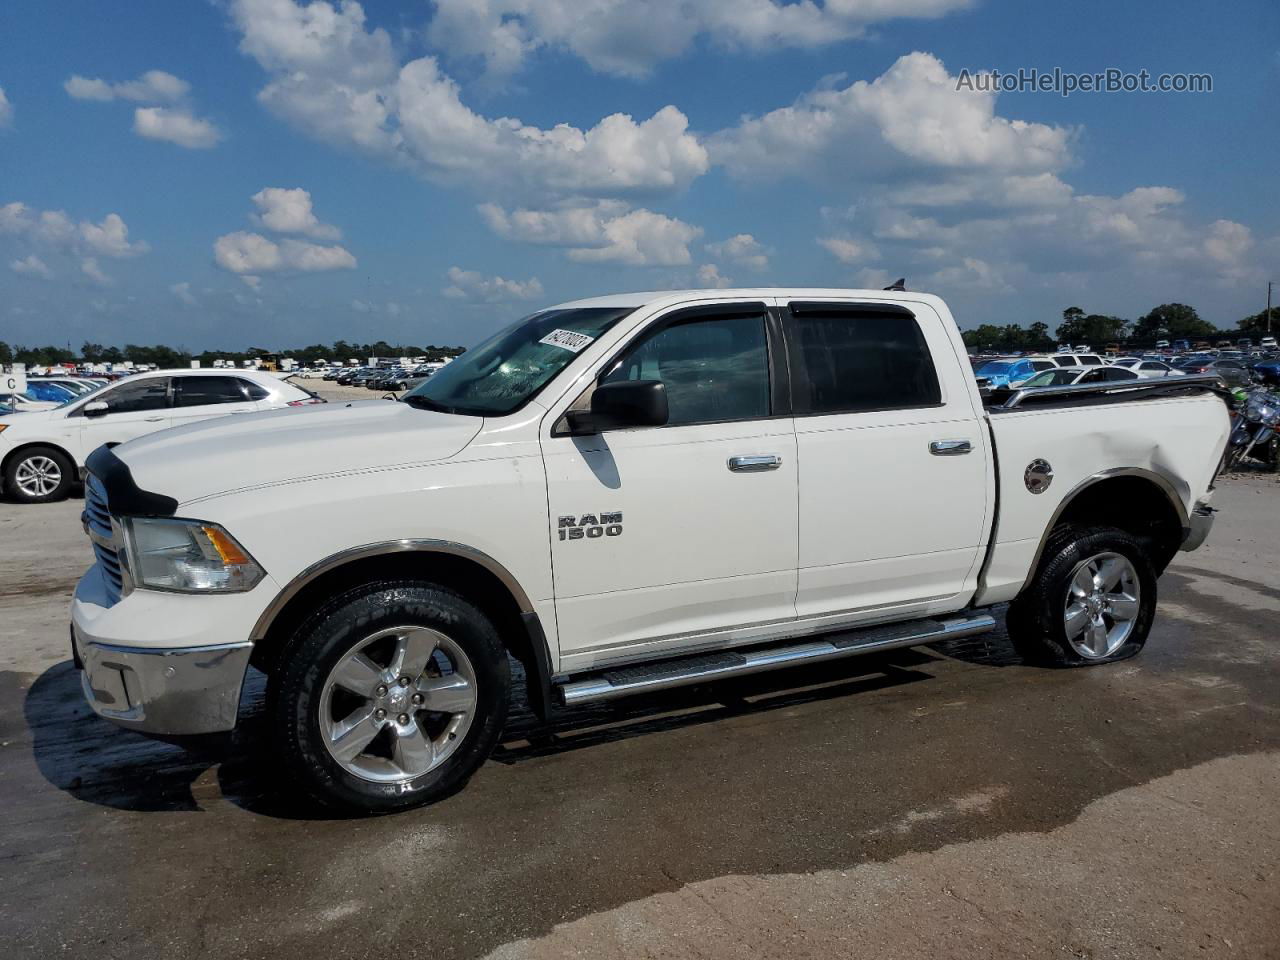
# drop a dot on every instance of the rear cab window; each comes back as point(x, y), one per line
point(850, 358)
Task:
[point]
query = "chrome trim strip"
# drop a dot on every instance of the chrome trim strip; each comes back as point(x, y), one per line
point(1121, 389)
point(382, 549)
point(1163, 482)
point(595, 689)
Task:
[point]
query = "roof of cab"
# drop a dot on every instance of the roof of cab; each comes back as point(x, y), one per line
point(657, 298)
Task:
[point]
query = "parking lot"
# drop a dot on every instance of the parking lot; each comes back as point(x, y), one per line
point(939, 801)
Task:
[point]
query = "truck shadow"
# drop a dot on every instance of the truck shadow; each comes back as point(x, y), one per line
point(96, 762)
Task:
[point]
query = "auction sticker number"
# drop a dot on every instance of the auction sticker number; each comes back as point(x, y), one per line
point(567, 340)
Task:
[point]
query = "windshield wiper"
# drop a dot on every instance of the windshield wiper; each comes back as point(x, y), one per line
point(425, 403)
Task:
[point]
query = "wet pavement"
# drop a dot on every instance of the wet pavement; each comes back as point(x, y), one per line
point(940, 801)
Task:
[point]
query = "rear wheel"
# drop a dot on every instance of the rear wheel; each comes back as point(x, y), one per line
point(390, 696)
point(1092, 599)
point(39, 475)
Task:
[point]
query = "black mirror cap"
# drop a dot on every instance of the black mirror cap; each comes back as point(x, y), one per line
point(629, 403)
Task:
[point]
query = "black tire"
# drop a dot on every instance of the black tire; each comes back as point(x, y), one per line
point(1035, 618)
point(65, 467)
point(327, 637)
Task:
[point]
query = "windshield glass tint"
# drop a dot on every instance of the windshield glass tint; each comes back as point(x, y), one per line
point(501, 374)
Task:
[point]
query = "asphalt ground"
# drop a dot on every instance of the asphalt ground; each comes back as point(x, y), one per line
point(935, 802)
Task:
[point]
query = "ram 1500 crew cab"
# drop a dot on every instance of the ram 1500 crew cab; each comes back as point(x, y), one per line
point(625, 494)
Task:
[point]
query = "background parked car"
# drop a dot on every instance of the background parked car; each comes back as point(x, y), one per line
point(1148, 368)
point(1066, 376)
point(41, 453)
point(1011, 373)
point(1233, 372)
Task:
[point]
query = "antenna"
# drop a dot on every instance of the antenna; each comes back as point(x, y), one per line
point(900, 285)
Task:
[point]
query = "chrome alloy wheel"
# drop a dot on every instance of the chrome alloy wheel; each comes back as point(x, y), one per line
point(398, 704)
point(1102, 603)
point(38, 476)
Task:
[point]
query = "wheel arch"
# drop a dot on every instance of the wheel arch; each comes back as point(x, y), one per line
point(472, 573)
point(1142, 502)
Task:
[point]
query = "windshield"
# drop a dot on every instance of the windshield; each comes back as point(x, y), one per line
point(993, 367)
point(504, 372)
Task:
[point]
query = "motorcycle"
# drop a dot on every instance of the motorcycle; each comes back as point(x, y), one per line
point(1256, 433)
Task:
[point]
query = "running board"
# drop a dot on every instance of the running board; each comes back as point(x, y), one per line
point(701, 668)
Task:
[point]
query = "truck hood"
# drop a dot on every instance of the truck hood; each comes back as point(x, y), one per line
point(249, 450)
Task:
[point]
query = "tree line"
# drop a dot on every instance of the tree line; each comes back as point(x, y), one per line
point(1169, 321)
point(163, 356)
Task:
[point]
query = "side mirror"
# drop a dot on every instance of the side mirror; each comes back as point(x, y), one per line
point(629, 403)
point(98, 408)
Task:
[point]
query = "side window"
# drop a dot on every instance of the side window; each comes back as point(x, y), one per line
point(254, 391)
point(138, 395)
point(1093, 376)
point(1115, 373)
point(1153, 366)
point(1089, 360)
point(714, 369)
point(1042, 364)
point(854, 362)
point(204, 391)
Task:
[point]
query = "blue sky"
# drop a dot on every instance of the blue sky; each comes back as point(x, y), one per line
point(266, 172)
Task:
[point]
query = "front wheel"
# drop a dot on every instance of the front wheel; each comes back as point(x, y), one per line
point(39, 475)
point(389, 696)
point(1092, 599)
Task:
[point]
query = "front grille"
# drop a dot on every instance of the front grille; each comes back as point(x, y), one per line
point(98, 519)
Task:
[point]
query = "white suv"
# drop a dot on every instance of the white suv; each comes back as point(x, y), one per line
point(42, 452)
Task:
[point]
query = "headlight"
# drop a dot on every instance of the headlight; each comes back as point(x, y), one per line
point(187, 556)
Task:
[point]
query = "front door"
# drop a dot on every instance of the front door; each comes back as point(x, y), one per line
point(135, 408)
point(668, 538)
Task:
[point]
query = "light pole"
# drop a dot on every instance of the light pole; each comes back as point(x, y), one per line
point(1270, 283)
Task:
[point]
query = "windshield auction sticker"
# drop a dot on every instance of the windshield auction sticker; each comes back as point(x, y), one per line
point(567, 340)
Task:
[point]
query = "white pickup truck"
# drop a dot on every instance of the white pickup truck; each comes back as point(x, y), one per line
point(626, 494)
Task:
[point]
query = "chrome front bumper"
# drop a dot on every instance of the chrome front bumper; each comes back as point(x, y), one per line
point(1198, 526)
point(170, 692)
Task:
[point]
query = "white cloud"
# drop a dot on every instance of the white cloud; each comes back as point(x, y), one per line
point(53, 228)
point(154, 86)
point(911, 120)
point(250, 281)
point(89, 267)
point(628, 38)
point(603, 232)
point(110, 238)
point(339, 81)
point(848, 250)
point(471, 285)
point(709, 276)
point(6, 110)
point(743, 249)
point(31, 266)
point(285, 210)
point(252, 254)
point(183, 292)
point(1228, 242)
point(175, 125)
point(642, 238)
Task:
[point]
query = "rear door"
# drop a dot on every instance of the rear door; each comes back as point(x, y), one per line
point(674, 537)
point(201, 397)
point(895, 469)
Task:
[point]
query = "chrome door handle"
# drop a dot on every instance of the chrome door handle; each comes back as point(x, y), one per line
point(950, 448)
point(754, 464)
